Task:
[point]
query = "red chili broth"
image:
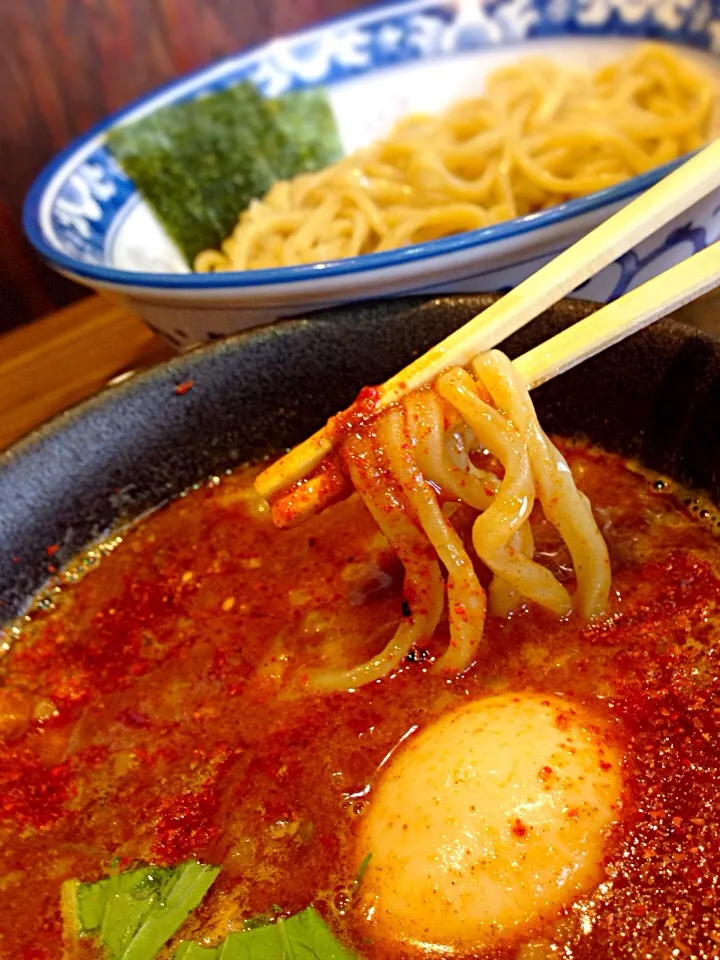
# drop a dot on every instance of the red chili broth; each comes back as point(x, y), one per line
point(158, 711)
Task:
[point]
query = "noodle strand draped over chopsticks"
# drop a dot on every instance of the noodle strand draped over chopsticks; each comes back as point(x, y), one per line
point(541, 134)
point(411, 460)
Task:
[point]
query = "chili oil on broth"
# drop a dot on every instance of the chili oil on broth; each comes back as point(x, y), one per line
point(156, 712)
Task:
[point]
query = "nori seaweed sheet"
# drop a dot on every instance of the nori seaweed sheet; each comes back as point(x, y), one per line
point(201, 162)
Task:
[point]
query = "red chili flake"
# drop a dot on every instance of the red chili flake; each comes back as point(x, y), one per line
point(544, 772)
point(33, 796)
point(461, 611)
point(519, 829)
point(93, 756)
point(182, 388)
point(52, 549)
point(331, 485)
point(358, 413)
point(186, 825)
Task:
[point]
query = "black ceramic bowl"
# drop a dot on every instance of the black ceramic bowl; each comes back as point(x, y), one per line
point(655, 396)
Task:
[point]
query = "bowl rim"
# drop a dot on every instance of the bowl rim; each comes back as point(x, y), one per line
point(99, 413)
point(347, 267)
point(106, 275)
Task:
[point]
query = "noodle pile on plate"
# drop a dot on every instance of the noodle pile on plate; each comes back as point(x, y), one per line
point(411, 462)
point(540, 135)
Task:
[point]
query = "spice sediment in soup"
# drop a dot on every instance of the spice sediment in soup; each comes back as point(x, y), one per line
point(157, 712)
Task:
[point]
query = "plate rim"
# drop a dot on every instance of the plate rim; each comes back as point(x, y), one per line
point(108, 276)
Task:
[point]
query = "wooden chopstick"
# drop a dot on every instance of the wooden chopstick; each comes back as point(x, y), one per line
point(615, 236)
point(656, 298)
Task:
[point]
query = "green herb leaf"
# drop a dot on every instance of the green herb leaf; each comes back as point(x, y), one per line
point(134, 914)
point(200, 163)
point(305, 936)
point(362, 870)
point(193, 951)
point(91, 903)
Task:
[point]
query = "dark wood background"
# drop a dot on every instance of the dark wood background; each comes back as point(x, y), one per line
point(67, 63)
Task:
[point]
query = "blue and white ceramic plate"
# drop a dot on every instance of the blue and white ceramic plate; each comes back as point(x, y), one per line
point(88, 221)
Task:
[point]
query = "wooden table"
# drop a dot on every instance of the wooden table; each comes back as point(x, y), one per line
point(53, 363)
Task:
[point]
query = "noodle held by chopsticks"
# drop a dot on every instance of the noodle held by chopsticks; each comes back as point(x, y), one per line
point(541, 134)
point(409, 461)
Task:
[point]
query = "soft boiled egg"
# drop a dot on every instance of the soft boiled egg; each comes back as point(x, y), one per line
point(491, 818)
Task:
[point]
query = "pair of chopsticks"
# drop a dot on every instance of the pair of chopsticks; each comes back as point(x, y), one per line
point(654, 299)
